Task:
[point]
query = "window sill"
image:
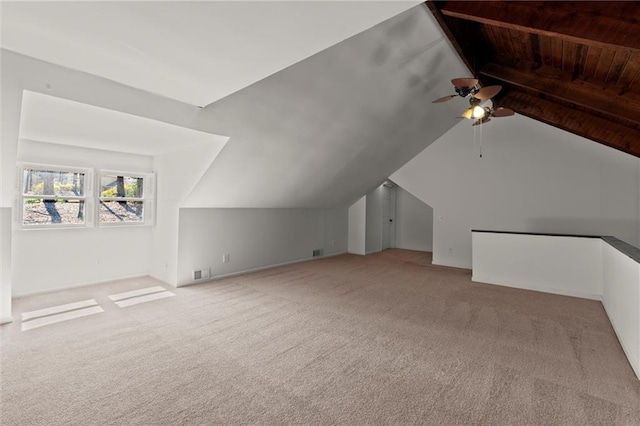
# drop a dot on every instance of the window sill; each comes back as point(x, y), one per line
point(124, 225)
point(50, 227)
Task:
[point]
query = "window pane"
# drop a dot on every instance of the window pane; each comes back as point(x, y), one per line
point(121, 186)
point(47, 212)
point(54, 183)
point(121, 211)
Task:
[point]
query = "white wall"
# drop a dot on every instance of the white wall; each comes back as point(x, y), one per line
point(50, 259)
point(532, 178)
point(358, 226)
point(20, 72)
point(621, 299)
point(177, 173)
point(5, 264)
point(255, 238)
point(373, 237)
point(336, 230)
point(67, 155)
point(414, 222)
point(46, 260)
point(569, 266)
point(596, 268)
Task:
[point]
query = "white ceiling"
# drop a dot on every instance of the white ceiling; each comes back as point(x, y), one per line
point(195, 52)
point(55, 120)
point(329, 129)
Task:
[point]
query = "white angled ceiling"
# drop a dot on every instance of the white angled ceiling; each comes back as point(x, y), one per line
point(195, 52)
point(50, 119)
point(329, 129)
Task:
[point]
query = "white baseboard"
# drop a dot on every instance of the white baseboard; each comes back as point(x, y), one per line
point(261, 268)
point(70, 287)
point(6, 320)
point(163, 281)
point(542, 289)
point(451, 265)
point(338, 253)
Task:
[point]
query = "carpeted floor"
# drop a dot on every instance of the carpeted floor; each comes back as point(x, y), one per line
point(382, 339)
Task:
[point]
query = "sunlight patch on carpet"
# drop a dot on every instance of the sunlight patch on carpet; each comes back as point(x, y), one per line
point(58, 309)
point(64, 316)
point(142, 299)
point(134, 293)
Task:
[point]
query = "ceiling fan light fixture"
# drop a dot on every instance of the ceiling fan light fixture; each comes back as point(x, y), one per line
point(469, 88)
point(468, 113)
point(474, 112)
point(478, 112)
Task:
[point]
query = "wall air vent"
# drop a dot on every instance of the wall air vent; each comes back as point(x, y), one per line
point(318, 252)
point(201, 274)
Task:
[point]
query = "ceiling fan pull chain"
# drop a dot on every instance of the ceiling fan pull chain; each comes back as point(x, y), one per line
point(474, 137)
point(480, 140)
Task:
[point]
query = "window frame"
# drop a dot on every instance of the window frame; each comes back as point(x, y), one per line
point(147, 198)
point(22, 196)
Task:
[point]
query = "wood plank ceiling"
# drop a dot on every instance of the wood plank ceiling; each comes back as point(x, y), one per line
point(571, 64)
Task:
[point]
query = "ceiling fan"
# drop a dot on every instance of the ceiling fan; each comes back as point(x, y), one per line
point(469, 88)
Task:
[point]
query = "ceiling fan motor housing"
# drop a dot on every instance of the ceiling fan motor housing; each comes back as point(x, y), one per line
point(464, 91)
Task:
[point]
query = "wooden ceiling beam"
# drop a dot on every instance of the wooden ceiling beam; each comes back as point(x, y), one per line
point(447, 32)
point(590, 23)
point(605, 99)
point(599, 129)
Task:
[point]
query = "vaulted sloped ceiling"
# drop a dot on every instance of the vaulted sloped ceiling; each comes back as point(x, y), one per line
point(193, 51)
point(320, 133)
point(328, 129)
point(571, 64)
point(50, 119)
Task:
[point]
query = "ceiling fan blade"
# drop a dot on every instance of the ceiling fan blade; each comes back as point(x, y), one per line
point(487, 92)
point(502, 112)
point(464, 82)
point(444, 99)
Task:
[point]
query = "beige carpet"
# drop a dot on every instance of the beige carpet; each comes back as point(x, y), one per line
point(382, 339)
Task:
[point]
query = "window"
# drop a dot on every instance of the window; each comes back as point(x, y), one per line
point(54, 196)
point(125, 198)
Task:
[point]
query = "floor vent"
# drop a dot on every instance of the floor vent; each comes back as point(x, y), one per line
point(318, 252)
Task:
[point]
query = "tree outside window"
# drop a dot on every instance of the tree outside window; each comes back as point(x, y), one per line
point(122, 198)
point(53, 197)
